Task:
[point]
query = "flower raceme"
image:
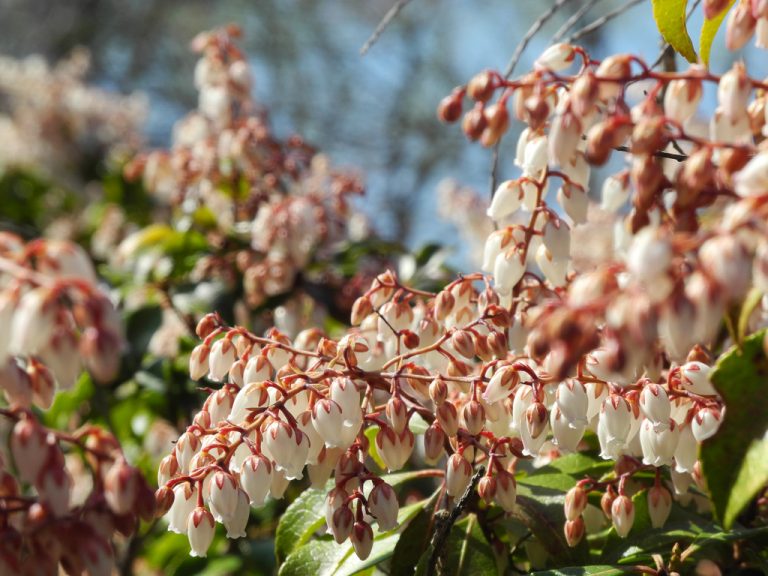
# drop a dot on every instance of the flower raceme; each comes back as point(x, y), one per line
point(522, 360)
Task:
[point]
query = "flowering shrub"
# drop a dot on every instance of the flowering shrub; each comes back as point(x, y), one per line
point(532, 359)
point(62, 494)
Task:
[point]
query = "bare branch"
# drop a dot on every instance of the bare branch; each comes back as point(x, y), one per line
point(386, 21)
point(571, 22)
point(604, 19)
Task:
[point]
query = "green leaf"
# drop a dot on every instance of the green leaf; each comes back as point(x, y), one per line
point(750, 303)
point(467, 552)
point(709, 31)
point(414, 540)
point(306, 515)
point(670, 20)
point(600, 570)
point(301, 519)
point(323, 557)
point(735, 460)
point(373, 450)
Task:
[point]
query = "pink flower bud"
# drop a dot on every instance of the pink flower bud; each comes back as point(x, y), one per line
point(733, 91)
point(394, 449)
point(694, 377)
point(457, 476)
point(29, 448)
point(289, 448)
point(508, 269)
point(362, 539)
point(572, 399)
point(186, 447)
point(740, 27)
point(706, 423)
point(223, 355)
point(556, 58)
point(506, 491)
point(448, 418)
point(473, 415)
point(345, 394)
point(575, 502)
point(536, 419)
point(54, 483)
point(566, 435)
point(501, 384)
point(121, 487)
point(574, 531)
point(659, 505)
point(33, 322)
point(397, 413)
point(200, 531)
point(223, 496)
point(97, 556)
point(564, 138)
point(655, 403)
point(507, 199)
point(682, 98)
point(198, 361)
point(486, 488)
point(184, 502)
point(434, 439)
point(659, 443)
point(382, 504)
point(622, 515)
point(342, 520)
point(237, 523)
point(328, 421)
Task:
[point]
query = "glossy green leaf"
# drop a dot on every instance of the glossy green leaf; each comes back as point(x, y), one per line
point(670, 20)
point(735, 460)
point(466, 552)
point(323, 557)
point(709, 31)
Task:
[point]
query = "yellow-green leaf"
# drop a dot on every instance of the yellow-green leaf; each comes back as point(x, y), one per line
point(708, 31)
point(670, 20)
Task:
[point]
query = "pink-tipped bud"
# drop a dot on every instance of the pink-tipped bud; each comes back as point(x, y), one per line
point(606, 501)
point(575, 502)
point(486, 488)
point(536, 419)
point(463, 344)
point(360, 309)
point(341, 524)
point(121, 487)
point(434, 439)
point(574, 531)
point(383, 505)
point(506, 490)
point(622, 515)
point(457, 476)
point(501, 384)
point(659, 505)
point(362, 539)
point(438, 391)
point(200, 531)
point(448, 418)
point(198, 361)
point(29, 448)
point(397, 413)
point(474, 417)
point(223, 495)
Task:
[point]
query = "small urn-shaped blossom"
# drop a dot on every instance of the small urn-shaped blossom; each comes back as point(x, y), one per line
point(614, 425)
point(394, 449)
point(397, 414)
point(474, 417)
point(289, 448)
point(223, 496)
point(457, 475)
point(575, 502)
point(681, 98)
point(622, 515)
point(29, 448)
point(255, 477)
point(342, 520)
point(121, 487)
point(198, 361)
point(573, 402)
point(383, 505)
point(237, 523)
point(655, 404)
point(362, 539)
point(506, 491)
point(687, 449)
point(328, 421)
point(706, 423)
point(184, 501)
point(556, 58)
point(186, 447)
point(507, 200)
point(566, 435)
point(223, 355)
point(434, 441)
point(200, 531)
point(501, 384)
point(659, 505)
point(695, 378)
point(659, 443)
point(574, 531)
point(448, 418)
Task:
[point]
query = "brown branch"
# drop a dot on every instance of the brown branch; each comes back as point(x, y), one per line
point(603, 20)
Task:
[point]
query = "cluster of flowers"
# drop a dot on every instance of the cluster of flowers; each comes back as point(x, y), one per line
point(522, 361)
point(271, 205)
point(53, 121)
point(747, 19)
point(56, 322)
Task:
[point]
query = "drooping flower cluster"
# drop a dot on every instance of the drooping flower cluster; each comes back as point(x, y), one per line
point(271, 206)
point(57, 322)
point(523, 360)
point(52, 122)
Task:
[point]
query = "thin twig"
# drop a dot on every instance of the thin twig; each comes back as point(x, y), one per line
point(532, 31)
point(386, 21)
point(604, 19)
point(571, 22)
point(443, 529)
point(658, 154)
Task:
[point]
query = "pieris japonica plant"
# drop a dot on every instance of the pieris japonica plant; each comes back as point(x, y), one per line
point(606, 384)
point(63, 493)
